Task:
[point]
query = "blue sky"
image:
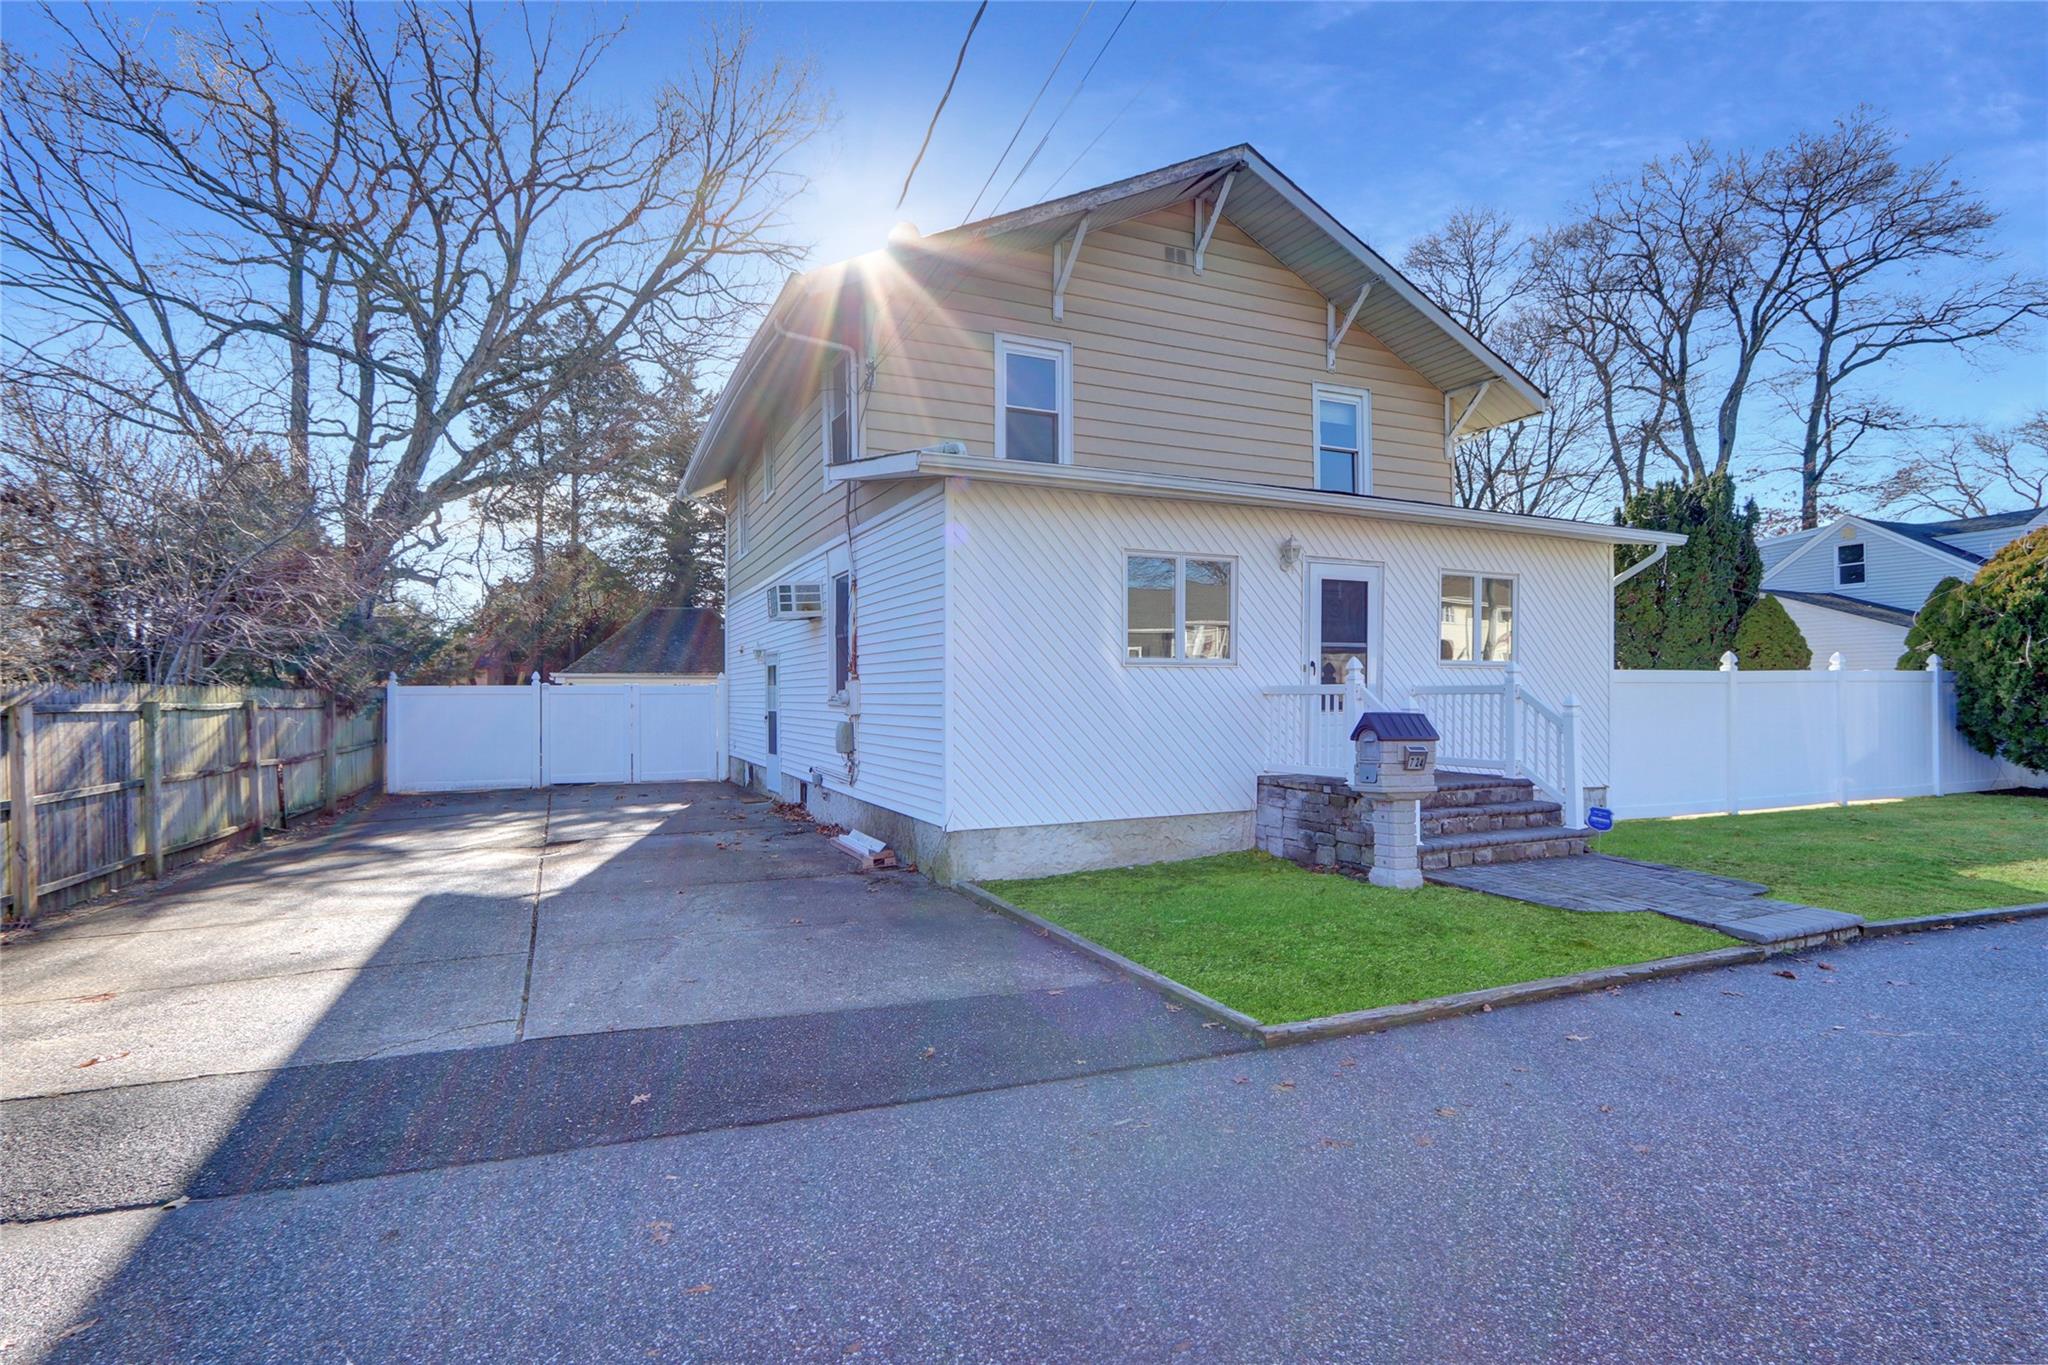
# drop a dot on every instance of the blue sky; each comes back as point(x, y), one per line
point(1391, 114)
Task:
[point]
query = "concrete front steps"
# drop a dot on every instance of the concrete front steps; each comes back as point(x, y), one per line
point(1471, 820)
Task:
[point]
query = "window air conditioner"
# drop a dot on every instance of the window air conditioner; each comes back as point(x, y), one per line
point(796, 600)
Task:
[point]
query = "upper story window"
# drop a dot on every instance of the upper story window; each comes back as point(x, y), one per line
point(736, 523)
point(1848, 565)
point(1034, 400)
point(1343, 421)
point(836, 398)
point(1476, 619)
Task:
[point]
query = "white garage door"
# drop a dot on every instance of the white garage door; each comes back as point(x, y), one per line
point(478, 738)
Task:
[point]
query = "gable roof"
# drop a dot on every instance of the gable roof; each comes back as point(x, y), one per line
point(1935, 532)
point(1484, 389)
point(1824, 534)
point(1834, 601)
point(660, 640)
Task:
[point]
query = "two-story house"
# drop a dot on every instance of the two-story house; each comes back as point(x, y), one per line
point(1854, 585)
point(1050, 533)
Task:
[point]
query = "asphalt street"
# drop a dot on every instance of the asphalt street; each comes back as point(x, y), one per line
point(1846, 1163)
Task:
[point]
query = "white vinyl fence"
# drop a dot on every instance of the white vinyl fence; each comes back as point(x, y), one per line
point(480, 738)
point(1688, 743)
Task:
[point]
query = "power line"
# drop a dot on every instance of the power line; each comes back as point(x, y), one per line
point(958, 62)
point(1071, 97)
point(1032, 108)
point(1187, 36)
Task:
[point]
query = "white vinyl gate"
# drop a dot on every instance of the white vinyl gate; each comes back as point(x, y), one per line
point(477, 738)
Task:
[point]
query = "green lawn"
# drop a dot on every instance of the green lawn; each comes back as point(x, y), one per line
point(1281, 943)
point(1884, 861)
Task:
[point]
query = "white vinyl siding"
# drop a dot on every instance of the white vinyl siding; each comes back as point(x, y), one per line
point(899, 560)
point(1172, 373)
point(1049, 726)
point(1862, 642)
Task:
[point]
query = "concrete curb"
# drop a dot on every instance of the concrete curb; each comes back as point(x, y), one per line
point(1144, 976)
point(1383, 1017)
point(1954, 919)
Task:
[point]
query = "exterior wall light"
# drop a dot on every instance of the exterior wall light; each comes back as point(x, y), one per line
point(1290, 553)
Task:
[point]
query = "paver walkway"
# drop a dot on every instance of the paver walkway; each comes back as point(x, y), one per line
point(1598, 882)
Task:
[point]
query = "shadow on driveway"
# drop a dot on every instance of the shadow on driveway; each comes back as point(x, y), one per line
point(458, 980)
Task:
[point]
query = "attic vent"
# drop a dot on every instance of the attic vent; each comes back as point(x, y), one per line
point(1179, 255)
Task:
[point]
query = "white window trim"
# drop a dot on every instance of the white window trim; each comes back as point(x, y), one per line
point(736, 525)
point(1180, 609)
point(1340, 393)
point(1863, 563)
point(851, 375)
point(1478, 591)
point(1062, 353)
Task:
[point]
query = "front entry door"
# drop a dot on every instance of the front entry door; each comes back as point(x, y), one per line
point(771, 703)
point(1343, 609)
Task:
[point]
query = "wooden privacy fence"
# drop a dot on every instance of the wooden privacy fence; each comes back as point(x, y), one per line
point(105, 784)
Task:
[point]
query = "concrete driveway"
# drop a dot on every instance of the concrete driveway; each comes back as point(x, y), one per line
point(580, 966)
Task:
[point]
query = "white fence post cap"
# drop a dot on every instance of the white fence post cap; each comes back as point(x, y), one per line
point(1728, 662)
point(1835, 662)
point(1934, 663)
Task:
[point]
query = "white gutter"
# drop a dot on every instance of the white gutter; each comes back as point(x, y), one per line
point(1632, 570)
point(1084, 479)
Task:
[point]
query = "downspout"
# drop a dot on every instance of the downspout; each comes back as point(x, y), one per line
point(1632, 570)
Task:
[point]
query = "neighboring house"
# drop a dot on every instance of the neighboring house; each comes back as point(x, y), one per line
point(1040, 528)
point(1854, 585)
point(658, 645)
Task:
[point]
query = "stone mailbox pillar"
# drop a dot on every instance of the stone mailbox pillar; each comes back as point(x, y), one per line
point(1395, 765)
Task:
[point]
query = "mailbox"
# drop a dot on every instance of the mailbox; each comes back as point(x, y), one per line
point(1395, 754)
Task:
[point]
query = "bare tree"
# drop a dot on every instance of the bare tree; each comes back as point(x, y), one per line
point(128, 554)
point(1476, 268)
point(1877, 237)
point(350, 251)
point(1976, 475)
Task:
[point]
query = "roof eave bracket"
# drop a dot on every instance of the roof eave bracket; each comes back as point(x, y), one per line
point(1336, 332)
point(1064, 254)
point(1458, 427)
point(1204, 230)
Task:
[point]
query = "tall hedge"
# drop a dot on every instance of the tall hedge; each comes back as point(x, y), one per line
point(1769, 638)
point(1992, 632)
point(1684, 612)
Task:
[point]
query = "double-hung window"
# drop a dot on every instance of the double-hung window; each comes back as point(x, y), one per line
point(1848, 565)
point(1034, 401)
point(1343, 422)
point(1476, 619)
point(1178, 607)
point(836, 399)
point(842, 632)
point(736, 522)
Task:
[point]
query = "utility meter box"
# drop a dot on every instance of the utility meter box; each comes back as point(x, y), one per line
point(1395, 754)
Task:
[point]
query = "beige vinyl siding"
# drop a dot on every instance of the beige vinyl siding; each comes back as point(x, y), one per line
point(1174, 373)
point(804, 512)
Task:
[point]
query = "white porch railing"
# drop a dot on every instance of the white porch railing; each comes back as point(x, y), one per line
point(1501, 727)
point(1308, 728)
